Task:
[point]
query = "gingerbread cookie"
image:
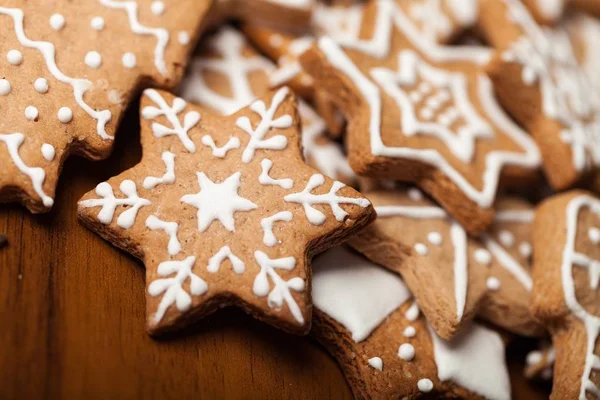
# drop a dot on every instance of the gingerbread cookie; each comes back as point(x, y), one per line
point(69, 70)
point(365, 317)
point(229, 74)
point(422, 113)
point(292, 14)
point(452, 276)
point(566, 275)
point(539, 81)
point(222, 210)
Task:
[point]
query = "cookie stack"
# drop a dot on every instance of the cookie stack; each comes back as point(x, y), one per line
point(442, 154)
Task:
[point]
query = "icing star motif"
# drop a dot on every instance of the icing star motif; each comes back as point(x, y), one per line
point(566, 292)
point(51, 110)
point(454, 277)
point(363, 316)
point(231, 227)
point(422, 113)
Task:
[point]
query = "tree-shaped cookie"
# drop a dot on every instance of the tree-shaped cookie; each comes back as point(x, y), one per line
point(222, 210)
point(566, 295)
point(538, 79)
point(69, 70)
point(365, 317)
point(422, 113)
point(228, 74)
point(452, 276)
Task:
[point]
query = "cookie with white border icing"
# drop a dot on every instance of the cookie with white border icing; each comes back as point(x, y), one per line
point(454, 277)
point(366, 319)
point(291, 14)
point(538, 79)
point(69, 70)
point(566, 295)
point(223, 210)
point(228, 74)
point(422, 113)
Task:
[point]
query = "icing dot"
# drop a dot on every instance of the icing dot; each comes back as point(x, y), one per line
point(14, 57)
point(421, 249)
point(483, 256)
point(493, 283)
point(412, 313)
point(434, 238)
point(406, 352)
point(93, 59)
point(506, 238)
point(409, 332)
point(157, 7)
point(183, 38)
point(97, 23)
point(424, 88)
point(48, 151)
point(31, 113)
point(534, 357)
point(415, 194)
point(525, 249)
point(5, 87)
point(114, 96)
point(425, 385)
point(594, 235)
point(57, 22)
point(376, 362)
point(426, 114)
point(65, 115)
point(129, 60)
point(275, 40)
point(41, 85)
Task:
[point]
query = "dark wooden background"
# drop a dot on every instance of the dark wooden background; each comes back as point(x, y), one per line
point(72, 319)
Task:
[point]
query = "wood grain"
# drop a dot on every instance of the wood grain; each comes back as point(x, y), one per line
point(72, 318)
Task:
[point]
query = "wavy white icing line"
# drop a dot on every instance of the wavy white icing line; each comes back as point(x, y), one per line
point(214, 264)
point(169, 177)
point(266, 224)
point(48, 51)
point(266, 179)
point(37, 175)
point(170, 228)
point(221, 152)
point(161, 35)
point(592, 323)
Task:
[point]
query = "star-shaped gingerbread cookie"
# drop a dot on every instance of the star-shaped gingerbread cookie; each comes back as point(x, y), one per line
point(222, 210)
point(538, 79)
point(566, 295)
point(366, 318)
point(69, 70)
point(454, 277)
point(422, 113)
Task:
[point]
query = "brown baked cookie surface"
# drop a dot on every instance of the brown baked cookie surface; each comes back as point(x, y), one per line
point(69, 70)
point(222, 210)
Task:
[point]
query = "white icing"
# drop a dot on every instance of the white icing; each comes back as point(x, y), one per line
point(171, 113)
point(493, 283)
point(266, 224)
point(435, 238)
point(299, 4)
point(594, 235)
point(57, 22)
point(265, 179)
point(413, 312)
point(550, 9)
point(308, 199)
point(289, 65)
point(425, 385)
point(109, 203)
point(525, 249)
point(41, 85)
point(48, 51)
point(173, 290)
point(474, 360)
point(221, 152)
point(376, 362)
point(483, 256)
point(421, 249)
point(344, 287)
point(31, 113)
point(170, 228)
point(435, 24)
point(281, 288)
point(65, 115)
point(129, 60)
point(13, 142)
point(5, 87)
point(521, 216)
point(214, 264)
point(48, 152)
point(97, 23)
point(157, 7)
point(14, 57)
point(276, 40)
point(169, 177)
point(183, 38)
point(506, 238)
point(266, 124)
point(218, 201)
point(406, 352)
point(409, 332)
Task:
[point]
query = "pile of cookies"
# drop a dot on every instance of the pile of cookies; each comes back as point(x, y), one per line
point(442, 154)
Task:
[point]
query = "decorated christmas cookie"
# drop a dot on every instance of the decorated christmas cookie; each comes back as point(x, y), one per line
point(69, 69)
point(222, 210)
point(422, 113)
point(538, 79)
point(229, 74)
point(566, 275)
point(291, 14)
point(452, 276)
point(366, 318)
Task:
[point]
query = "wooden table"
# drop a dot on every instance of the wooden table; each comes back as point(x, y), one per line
point(72, 313)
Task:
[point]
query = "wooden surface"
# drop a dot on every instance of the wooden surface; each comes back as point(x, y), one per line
point(72, 319)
